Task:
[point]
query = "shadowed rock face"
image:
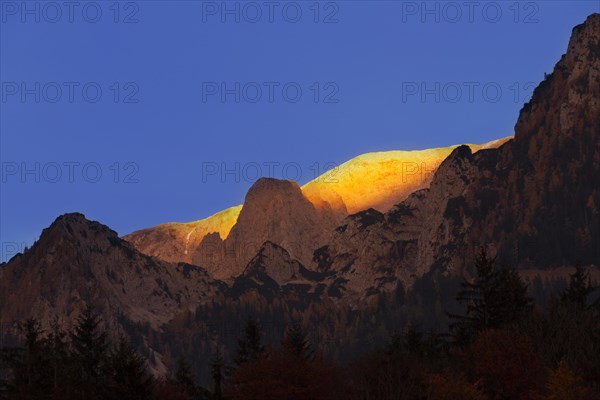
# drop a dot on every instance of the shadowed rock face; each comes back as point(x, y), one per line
point(77, 262)
point(540, 204)
point(534, 201)
point(276, 211)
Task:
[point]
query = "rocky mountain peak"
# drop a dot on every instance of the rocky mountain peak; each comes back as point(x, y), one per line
point(268, 187)
point(585, 40)
point(532, 201)
point(569, 96)
point(77, 227)
point(71, 234)
point(269, 197)
point(376, 180)
point(274, 210)
point(87, 263)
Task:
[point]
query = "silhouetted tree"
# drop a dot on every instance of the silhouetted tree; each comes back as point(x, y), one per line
point(60, 360)
point(89, 351)
point(30, 364)
point(495, 298)
point(250, 343)
point(129, 377)
point(579, 289)
point(566, 332)
point(413, 340)
point(217, 369)
point(185, 379)
point(296, 343)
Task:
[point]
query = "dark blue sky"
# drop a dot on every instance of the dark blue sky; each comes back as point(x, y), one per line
point(121, 110)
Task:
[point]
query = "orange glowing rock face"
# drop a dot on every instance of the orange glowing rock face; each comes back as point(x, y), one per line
point(378, 180)
point(374, 180)
point(381, 180)
point(176, 241)
point(221, 223)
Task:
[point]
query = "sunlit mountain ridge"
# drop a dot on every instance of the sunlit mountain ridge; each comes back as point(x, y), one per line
point(376, 180)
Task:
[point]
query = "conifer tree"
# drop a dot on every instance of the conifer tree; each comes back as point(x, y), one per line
point(185, 379)
point(31, 370)
point(296, 343)
point(129, 377)
point(579, 289)
point(89, 351)
point(496, 297)
point(217, 366)
point(58, 352)
point(250, 343)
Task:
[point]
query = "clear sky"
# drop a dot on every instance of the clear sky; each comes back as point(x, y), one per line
point(139, 113)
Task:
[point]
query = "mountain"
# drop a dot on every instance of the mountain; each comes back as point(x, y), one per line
point(373, 180)
point(77, 262)
point(274, 210)
point(533, 202)
point(311, 254)
point(273, 269)
point(178, 241)
point(381, 180)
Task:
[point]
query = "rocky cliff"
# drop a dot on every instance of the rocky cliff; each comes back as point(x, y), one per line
point(77, 262)
point(274, 210)
point(534, 201)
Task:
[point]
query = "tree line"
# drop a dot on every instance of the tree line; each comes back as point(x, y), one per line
point(501, 346)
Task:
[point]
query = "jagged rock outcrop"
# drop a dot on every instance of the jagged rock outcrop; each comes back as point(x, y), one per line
point(273, 271)
point(375, 252)
point(274, 210)
point(274, 263)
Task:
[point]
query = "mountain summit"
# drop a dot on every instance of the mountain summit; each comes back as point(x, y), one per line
point(533, 201)
point(274, 210)
point(299, 219)
point(78, 262)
